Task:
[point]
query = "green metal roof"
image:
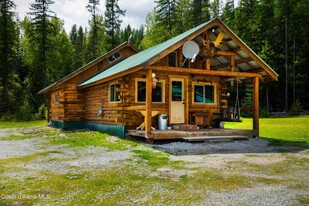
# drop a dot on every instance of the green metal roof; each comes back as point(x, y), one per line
point(141, 57)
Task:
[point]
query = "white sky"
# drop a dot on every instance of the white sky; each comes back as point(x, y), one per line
point(75, 12)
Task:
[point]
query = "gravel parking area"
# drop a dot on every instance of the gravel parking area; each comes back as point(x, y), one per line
point(253, 158)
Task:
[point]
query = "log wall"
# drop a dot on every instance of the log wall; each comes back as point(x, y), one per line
point(127, 110)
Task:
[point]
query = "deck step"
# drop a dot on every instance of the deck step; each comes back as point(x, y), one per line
point(214, 138)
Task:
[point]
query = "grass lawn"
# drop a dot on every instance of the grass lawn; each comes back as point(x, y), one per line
point(293, 129)
point(4, 125)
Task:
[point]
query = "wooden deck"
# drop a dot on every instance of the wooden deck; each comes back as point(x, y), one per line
point(198, 135)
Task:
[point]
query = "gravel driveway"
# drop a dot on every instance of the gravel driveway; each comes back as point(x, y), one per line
point(251, 158)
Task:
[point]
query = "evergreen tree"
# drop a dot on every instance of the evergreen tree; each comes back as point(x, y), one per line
point(73, 34)
point(228, 12)
point(216, 8)
point(112, 22)
point(41, 33)
point(155, 33)
point(97, 31)
point(183, 13)
point(200, 12)
point(8, 40)
point(167, 15)
point(62, 50)
point(92, 7)
point(77, 39)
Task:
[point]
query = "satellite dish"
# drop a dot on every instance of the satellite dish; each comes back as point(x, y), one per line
point(190, 49)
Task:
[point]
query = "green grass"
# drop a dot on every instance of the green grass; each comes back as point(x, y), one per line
point(4, 125)
point(293, 129)
point(91, 138)
point(155, 159)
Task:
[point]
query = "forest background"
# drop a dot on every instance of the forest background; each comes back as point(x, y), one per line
point(36, 51)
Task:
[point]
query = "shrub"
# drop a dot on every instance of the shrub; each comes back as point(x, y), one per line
point(264, 113)
point(25, 112)
point(42, 112)
point(8, 117)
point(296, 106)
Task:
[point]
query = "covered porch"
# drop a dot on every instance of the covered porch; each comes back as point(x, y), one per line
point(209, 133)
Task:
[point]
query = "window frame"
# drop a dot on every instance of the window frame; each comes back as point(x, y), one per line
point(115, 93)
point(114, 57)
point(56, 98)
point(214, 85)
point(144, 80)
point(176, 59)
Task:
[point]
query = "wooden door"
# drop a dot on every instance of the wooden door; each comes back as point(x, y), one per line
point(177, 103)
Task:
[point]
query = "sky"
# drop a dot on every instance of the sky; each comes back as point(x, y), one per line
point(75, 12)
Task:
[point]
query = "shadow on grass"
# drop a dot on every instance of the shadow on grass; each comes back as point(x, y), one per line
point(250, 146)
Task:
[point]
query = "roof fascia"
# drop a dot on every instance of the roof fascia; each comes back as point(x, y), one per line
point(87, 66)
point(180, 43)
point(247, 49)
point(110, 78)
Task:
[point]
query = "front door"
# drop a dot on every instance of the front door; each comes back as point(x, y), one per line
point(177, 104)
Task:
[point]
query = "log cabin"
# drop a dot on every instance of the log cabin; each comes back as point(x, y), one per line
point(184, 77)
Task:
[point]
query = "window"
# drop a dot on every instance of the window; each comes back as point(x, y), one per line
point(204, 93)
point(172, 59)
point(56, 98)
point(113, 94)
point(157, 92)
point(114, 57)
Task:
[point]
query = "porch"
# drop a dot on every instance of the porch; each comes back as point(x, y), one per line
point(200, 135)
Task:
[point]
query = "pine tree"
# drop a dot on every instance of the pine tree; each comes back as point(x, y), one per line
point(8, 39)
point(228, 12)
point(92, 7)
point(200, 11)
point(112, 22)
point(96, 32)
point(167, 15)
point(78, 42)
point(73, 34)
point(42, 30)
point(216, 8)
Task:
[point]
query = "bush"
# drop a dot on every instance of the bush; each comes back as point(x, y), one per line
point(296, 106)
point(25, 112)
point(264, 113)
point(8, 117)
point(42, 113)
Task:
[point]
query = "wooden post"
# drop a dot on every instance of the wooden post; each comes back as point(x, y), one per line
point(232, 63)
point(207, 63)
point(256, 105)
point(148, 103)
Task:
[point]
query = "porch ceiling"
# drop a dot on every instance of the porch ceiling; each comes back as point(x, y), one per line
point(243, 61)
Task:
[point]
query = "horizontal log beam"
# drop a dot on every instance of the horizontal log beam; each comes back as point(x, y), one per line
point(205, 72)
point(224, 53)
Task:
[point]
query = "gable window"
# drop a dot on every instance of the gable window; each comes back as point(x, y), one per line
point(113, 94)
point(114, 57)
point(157, 92)
point(172, 59)
point(204, 93)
